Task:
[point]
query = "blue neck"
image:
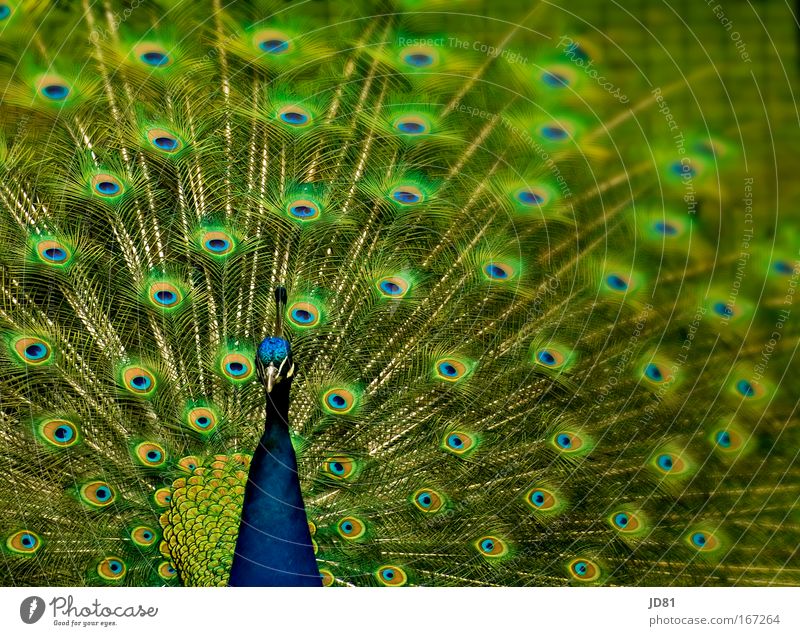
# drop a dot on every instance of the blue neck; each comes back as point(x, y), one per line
point(274, 544)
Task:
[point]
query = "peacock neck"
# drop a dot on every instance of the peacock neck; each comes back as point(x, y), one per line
point(274, 544)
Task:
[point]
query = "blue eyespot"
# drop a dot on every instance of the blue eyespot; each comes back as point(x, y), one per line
point(564, 441)
point(576, 50)
point(487, 545)
point(115, 566)
point(274, 45)
point(411, 127)
point(581, 567)
point(546, 358)
point(667, 229)
point(154, 58)
point(455, 441)
point(654, 373)
point(538, 498)
point(55, 91)
point(448, 370)
point(745, 388)
point(387, 574)
point(5, 11)
point(147, 535)
point(141, 382)
point(166, 297)
point(393, 289)
point(55, 254)
point(236, 368)
point(303, 211)
point(294, 118)
point(723, 438)
point(107, 187)
point(404, 196)
point(337, 468)
point(35, 352)
point(347, 527)
point(784, 267)
point(665, 462)
point(723, 309)
point(166, 143)
point(419, 59)
point(302, 316)
point(621, 520)
point(555, 79)
point(679, 169)
point(495, 271)
point(529, 197)
point(102, 494)
point(64, 434)
point(154, 455)
point(218, 245)
point(554, 133)
point(699, 539)
point(616, 282)
point(202, 421)
point(336, 401)
point(424, 499)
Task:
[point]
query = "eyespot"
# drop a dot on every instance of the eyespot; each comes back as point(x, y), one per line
point(459, 442)
point(163, 140)
point(57, 432)
point(407, 195)
point(32, 350)
point(555, 131)
point(428, 500)
point(541, 499)
point(682, 169)
point(419, 56)
point(338, 400)
point(625, 522)
point(189, 463)
point(568, 442)
point(5, 11)
point(393, 287)
point(53, 88)
point(106, 185)
point(167, 571)
point(273, 42)
point(144, 536)
point(235, 366)
point(749, 390)
point(97, 494)
point(53, 252)
point(303, 314)
point(351, 528)
point(152, 55)
point(217, 243)
point(391, 575)
point(327, 577)
point(304, 210)
point(165, 295)
point(784, 268)
point(112, 568)
point(703, 541)
point(450, 369)
point(312, 528)
point(550, 358)
point(295, 116)
point(583, 570)
point(412, 125)
point(557, 77)
point(656, 373)
point(139, 380)
point(340, 467)
point(530, 197)
point(618, 283)
point(665, 228)
point(163, 497)
point(201, 419)
point(150, 454)
point(491, 546)
point(495, 270)
point(727, 440)
point(24, 542)
point(722, 309)
point(670, 464)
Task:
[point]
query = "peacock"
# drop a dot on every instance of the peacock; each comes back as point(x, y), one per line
point(393, 293)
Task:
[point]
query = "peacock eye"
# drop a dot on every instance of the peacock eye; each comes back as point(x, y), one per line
point(303, 314)
point(304, 210)
point(5, 11)
point(557, 77)
point(568, 442)
point(703, 541)
point(749, 390)
point(728, 440)
point(139, 380)
point(656, 373)
point(450, 369)
point(294, 116)
point(112, 568)
point(55, 92)
point(273, 42)
point(24, 542)
point(554, 132)
point(165, 295)
point(57, 432)
point(541, 499)
point(106, 185)
point(201, 419)
point(393, 287)
point(419, 57)
point(666, 229)
point(459, 442)
point(625, 522)
point(97, 494)
point(407, 195)
point(327, 577)
point(340, 467)
point(617, 282)
point(550, 358)
point(492, 547)
point(163, 497)
point(351, 528)
point(143, 536)
point(32, 350)
point(217, 243)
point(164, 140)
point(391, 575)
point(670, 464)
point(412, 125)
point(236, 366)
point(52, 252)
point(531, 197)
point(428, 500)
point(495, 270)
point(338, 400)
point(150, 454)
point(584, 570)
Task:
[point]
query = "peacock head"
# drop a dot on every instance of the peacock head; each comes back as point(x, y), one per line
point(274, 362)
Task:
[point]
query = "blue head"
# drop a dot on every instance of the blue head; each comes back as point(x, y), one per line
point(274, 361)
